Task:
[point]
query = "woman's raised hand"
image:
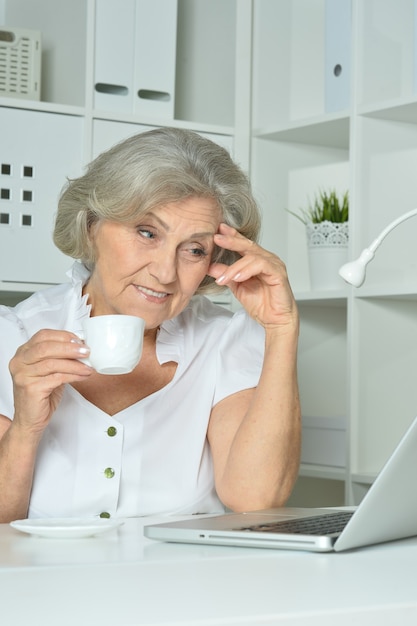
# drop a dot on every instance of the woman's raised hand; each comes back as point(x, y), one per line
point(258, 280)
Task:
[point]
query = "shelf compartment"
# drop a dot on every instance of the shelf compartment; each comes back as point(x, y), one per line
point(292, 173)
point(386, 147)
point(384, 396)
point(386, 50)
point(63, 27)
point(290, 36)
point(322, 361)
point(205, 73)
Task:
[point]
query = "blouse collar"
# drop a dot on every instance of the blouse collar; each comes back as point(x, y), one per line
point(78, 275)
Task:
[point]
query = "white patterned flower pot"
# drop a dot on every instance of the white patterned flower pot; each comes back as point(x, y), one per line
point(327, 252)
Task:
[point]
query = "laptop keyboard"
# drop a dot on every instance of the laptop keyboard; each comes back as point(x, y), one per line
point(328, 524)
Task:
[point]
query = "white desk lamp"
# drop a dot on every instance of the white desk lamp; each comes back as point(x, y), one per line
point(355, 271)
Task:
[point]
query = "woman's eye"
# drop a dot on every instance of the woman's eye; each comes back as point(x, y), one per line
point(198, 252)
point(146, 233)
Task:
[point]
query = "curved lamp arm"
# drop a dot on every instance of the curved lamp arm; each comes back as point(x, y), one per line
point(355, 271)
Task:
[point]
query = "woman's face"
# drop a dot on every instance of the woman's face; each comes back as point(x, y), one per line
point(151, 268)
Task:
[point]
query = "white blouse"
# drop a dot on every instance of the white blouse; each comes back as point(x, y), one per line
point(152, 457)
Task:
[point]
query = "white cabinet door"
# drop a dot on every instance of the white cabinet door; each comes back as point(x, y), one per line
point(37, 153)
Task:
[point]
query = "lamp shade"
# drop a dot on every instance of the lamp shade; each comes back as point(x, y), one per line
point(354, 272)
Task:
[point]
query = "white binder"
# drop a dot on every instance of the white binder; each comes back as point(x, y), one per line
point(155, 57)
point(114, 55)
point(337, 62)
point(135, 56)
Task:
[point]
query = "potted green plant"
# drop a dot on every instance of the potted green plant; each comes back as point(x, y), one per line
point(326, 206)
point(327, 227)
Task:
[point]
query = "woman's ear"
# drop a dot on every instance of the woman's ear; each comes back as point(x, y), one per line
point(92, 229)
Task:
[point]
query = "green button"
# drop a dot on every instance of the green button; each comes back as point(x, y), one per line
point(109, 472)
point(105, 515)
point(111, 431)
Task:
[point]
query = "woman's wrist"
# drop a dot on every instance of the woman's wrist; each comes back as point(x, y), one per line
point(283, 335)
point(23, 435)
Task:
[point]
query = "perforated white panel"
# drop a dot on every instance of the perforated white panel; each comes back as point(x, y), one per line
point(37, 153)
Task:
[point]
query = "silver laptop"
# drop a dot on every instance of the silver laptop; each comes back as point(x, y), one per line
point(387, 512)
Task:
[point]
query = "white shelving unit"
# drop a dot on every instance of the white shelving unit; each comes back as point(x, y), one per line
point(253, 75)
point(205, 82)
point(357, 346)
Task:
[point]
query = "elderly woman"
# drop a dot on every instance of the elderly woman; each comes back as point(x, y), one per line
point(210, 416)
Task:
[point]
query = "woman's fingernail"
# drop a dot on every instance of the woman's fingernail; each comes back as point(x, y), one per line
point(220, 279)
point(83, 350)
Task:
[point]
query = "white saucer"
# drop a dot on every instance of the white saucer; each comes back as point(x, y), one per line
point(70, 528)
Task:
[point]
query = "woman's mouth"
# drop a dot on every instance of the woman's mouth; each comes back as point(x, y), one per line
point(150, 293)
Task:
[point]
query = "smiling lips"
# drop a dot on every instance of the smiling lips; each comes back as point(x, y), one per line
point(153, 294)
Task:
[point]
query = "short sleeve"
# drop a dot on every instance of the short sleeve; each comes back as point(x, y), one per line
point(240, 356)
point(12, 335)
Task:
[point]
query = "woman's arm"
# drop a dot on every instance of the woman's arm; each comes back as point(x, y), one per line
point(17, 462)
point(40, 369)
point(255, 435)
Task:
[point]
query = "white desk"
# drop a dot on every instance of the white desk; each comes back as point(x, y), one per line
point(123, 579)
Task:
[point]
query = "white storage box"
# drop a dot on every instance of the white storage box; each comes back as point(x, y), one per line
point(20, 63)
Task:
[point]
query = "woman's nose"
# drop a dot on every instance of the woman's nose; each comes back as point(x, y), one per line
point(164, 266)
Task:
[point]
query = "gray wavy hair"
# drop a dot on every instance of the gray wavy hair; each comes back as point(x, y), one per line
point(149, 170)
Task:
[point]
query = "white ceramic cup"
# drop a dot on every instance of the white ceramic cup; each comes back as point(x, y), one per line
point(115, 342)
